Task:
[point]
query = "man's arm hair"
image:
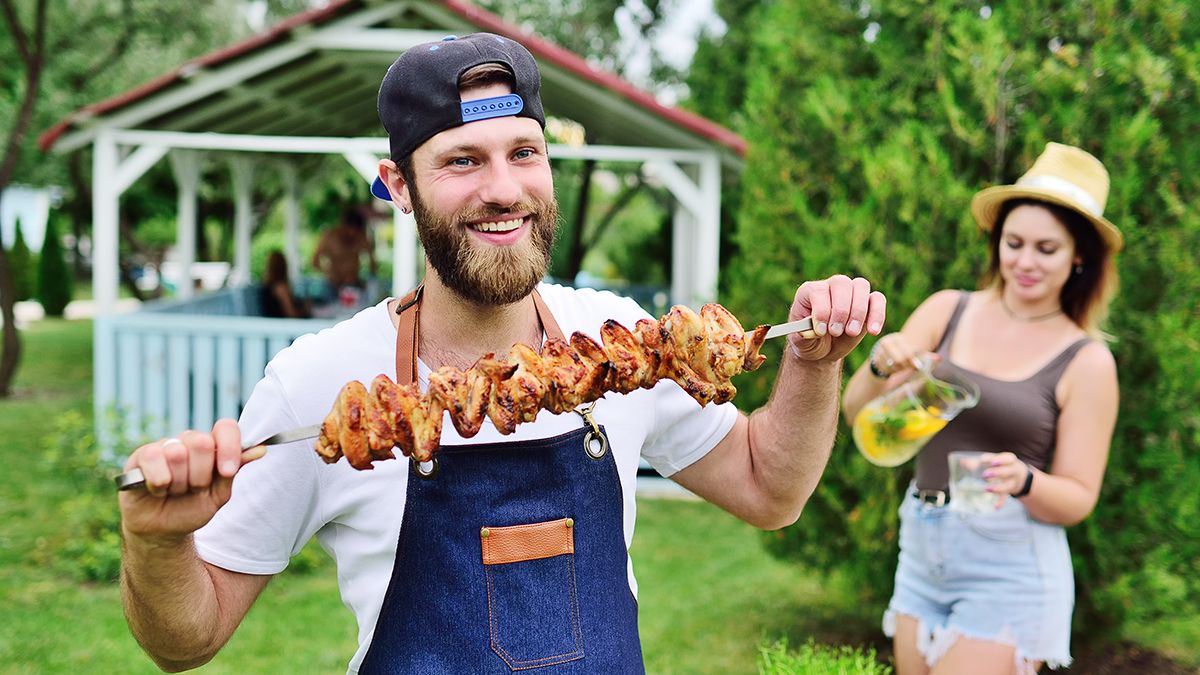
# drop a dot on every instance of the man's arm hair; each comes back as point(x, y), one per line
point(181, 609)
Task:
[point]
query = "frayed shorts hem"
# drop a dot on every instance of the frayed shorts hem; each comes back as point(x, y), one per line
point(933, 643)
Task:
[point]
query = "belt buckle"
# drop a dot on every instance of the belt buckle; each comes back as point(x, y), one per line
point(934, 497)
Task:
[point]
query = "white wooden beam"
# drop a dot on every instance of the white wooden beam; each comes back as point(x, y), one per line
point(365, 163)
point(331, 145)
point(392, 40)
point(201, 83)
point(681, 185)
point(136, 164)
point(242, 168)
point(186, 166)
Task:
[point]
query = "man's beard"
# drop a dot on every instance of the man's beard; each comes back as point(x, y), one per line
point(483, 274)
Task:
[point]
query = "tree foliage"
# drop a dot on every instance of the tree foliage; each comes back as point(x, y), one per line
point(53, 276)
point(871, 125)
point(21, 263)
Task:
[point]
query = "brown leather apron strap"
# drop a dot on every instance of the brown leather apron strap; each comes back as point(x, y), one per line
point(409, 311)
point(549, 325)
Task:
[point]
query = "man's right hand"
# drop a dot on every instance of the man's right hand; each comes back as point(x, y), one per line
point(188, 479)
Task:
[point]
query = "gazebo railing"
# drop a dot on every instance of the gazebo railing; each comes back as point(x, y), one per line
point(183, 365)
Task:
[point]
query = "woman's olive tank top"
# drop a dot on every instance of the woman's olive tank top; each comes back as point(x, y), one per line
point(1018, 417)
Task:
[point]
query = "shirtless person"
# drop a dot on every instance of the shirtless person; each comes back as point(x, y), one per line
point(339, 252)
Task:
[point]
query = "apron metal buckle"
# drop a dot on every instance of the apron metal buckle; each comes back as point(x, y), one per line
point(419, 467)
point(594, 435)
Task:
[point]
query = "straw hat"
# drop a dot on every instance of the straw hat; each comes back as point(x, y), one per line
point(1062, 175)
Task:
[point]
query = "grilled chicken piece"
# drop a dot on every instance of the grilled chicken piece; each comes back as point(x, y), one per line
point(701, 352)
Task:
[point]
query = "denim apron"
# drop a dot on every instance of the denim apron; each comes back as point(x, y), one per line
point(511, 555)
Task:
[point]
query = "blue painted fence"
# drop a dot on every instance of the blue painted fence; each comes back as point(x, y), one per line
point(182, 365)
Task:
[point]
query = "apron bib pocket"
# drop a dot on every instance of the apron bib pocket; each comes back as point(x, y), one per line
point(532, 597)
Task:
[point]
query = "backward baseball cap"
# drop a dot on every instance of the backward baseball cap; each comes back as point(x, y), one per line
point(419, 97)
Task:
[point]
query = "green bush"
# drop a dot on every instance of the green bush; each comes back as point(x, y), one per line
point(87, 544)
point(53, 276)
point(21, 264)
point(814, 659)
point(863, 157)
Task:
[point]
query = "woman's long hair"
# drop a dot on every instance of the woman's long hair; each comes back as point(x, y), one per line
point(1086, 295)
point(276, 270)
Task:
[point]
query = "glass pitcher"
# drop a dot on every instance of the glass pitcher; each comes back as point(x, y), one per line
point(891, 429)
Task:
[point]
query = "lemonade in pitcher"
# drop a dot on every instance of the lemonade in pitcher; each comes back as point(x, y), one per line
point(892, 428)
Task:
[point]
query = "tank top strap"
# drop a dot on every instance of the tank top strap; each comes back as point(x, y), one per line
point(1050, 373)
point(943, 345)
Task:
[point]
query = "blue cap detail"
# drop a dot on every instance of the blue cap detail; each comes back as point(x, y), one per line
point(485, 108)
point(449, 38)
point(380, 190)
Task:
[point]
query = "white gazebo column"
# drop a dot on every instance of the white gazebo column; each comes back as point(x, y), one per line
point(243, 219)
point(186, 166)
point(688, 251)
point(404, 252)
point(105, 217)
point(291, 223)
point(708, 230)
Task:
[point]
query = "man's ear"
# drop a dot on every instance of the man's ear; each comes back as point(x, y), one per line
point(390, 174)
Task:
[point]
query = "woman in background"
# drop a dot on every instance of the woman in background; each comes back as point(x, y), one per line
point(994, 592)
point(276, 297)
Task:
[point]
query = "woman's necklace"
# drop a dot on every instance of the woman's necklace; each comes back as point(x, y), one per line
point(1028, 319)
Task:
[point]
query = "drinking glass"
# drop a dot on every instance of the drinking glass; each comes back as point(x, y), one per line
point(968, 487)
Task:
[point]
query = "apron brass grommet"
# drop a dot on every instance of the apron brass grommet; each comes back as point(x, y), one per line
point(427, 475)
point(484, 533)
point(570, 522)
point(599, 436)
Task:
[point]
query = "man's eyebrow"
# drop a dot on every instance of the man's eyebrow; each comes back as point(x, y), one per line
point(474, 148)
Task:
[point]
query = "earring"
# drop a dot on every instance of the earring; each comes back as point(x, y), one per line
point(1079, 269)
point(405, 211)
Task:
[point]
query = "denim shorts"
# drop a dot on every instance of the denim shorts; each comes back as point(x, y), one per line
point(999, 576)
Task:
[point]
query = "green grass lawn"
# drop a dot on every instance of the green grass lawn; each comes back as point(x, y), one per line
point(709, 594)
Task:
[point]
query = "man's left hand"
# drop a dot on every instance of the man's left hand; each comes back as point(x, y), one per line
point(843, 311)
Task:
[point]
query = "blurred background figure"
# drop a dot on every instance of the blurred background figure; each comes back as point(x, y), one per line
point(276, 297)
point(993, 591)
point(340, 250)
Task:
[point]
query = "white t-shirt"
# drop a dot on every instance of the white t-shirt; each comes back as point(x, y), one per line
point(285, 498)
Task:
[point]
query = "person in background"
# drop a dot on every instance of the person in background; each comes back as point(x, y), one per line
point(994, 592)
point(340, 251)
point(275, 296)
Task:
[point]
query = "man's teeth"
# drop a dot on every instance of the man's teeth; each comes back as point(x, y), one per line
point(500, 226)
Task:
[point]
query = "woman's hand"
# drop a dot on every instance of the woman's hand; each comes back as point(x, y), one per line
point(1005, 475)
point(893, 354)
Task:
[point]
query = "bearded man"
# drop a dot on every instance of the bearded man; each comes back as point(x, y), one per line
point(514, 555)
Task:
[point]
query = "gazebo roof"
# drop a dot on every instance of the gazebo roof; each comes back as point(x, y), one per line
point(317, 74)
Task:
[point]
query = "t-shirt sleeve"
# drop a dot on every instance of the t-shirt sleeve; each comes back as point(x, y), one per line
point(683, 432)
point(274, 508)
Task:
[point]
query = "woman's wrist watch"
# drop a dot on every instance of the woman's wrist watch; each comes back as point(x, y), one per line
point(1028, 483)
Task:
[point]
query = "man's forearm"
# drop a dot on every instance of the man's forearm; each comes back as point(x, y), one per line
point(170, 601)
point(791, 436)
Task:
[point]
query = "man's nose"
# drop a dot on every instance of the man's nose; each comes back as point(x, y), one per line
point(502, 186)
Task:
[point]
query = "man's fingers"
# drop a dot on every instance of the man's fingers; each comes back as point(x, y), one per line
point(150, 459)
point(200, 459)
point(176, 456)
point(229, 447)
point(876, 312)
point(814, 297)
point(859, 304)
point(841, 300)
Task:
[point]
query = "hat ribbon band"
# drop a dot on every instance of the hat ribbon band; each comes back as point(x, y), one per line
point(1067, 188)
